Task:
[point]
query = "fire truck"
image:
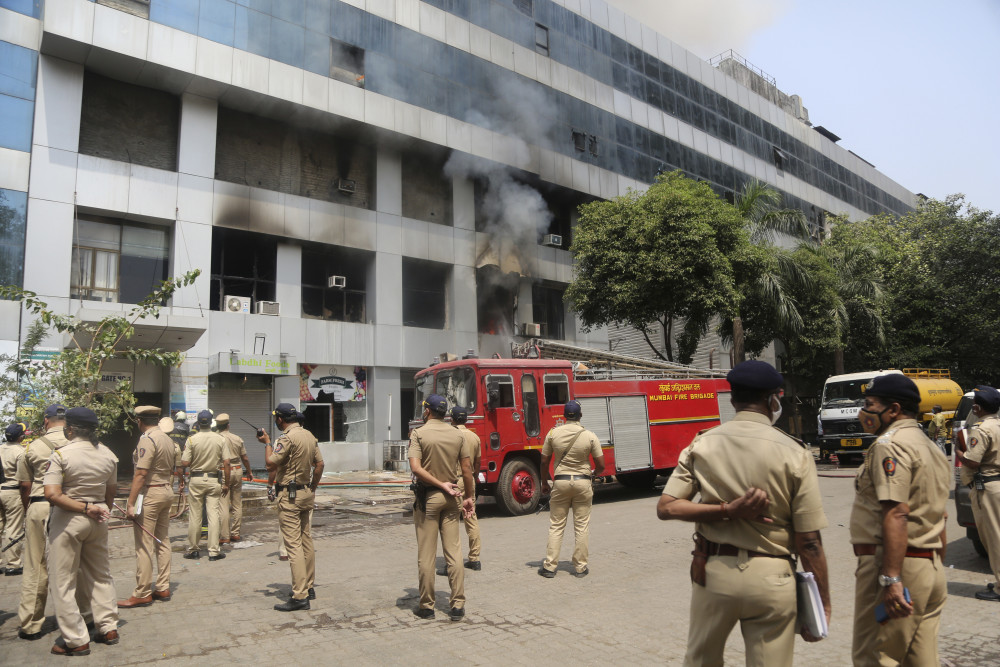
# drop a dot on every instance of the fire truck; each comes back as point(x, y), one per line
point(644, 412)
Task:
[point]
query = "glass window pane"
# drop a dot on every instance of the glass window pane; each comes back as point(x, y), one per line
point(94, 234)
point(15, 128)
point(145, 242)
point(105, 270)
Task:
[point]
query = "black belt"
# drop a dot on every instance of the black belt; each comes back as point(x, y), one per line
point(10, 488)
point(570, 478)
point(990, 478)
point(282, 487)
point(37, 499)
point(203, 473)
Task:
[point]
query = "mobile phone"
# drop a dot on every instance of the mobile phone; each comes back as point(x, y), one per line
point(880, 614)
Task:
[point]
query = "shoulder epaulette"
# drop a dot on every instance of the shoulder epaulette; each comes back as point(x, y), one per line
point(706, 430)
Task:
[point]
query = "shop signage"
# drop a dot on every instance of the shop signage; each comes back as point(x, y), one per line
point(111, 379)
point(253, 364)
point(339, 384)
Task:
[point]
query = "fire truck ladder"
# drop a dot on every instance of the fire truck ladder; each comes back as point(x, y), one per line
point(591, 364)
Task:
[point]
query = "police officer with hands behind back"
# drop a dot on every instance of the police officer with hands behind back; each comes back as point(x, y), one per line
point(295, 467)
point(981, 472)
point(760, 504)
point(437, 455)
point(898, 530)
point(11, 506)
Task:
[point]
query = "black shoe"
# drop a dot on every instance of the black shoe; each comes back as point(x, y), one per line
point(312, 594)
point(582, 573)
point(293, 605)
point(30, 636)
point(474, 565)
point(420, 612)
point(548, 574)
point(456, 614)
point(13, 571)
point(988, 594)
point(442, 571)
point(218, 556)
point(191, 555)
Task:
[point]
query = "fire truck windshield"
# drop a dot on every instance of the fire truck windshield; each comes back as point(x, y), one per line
point(458, 386)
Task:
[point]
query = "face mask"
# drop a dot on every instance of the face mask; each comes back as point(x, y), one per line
point(871, 421)
point(775, 409)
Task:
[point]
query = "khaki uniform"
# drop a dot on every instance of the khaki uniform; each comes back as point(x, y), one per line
point(439, 446)
point(295, 453)
point(938, 429)
point(571, 447)
point(35, 585)
point(984, 444)
point(204, 453)
point(758, 593)
point(472, 448)
point(154, 453)
point(232, 504)
point(904, 466)
point(11, 508)
point(78, 545)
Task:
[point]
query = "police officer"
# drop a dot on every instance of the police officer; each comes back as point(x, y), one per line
point(436, 457)
point(80, 483)
point(472, 449)
point(153, 478)
point(898, 530)
point(239, 465)
point(760, 504)
point(11, 507)
point(30, 473)
point(981, 458)
point(295, 467)
point(204, 453)
point(572, 447)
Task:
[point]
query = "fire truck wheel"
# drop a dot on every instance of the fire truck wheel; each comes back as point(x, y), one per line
point(519, 488)
point(977, 543)
point(642, 479)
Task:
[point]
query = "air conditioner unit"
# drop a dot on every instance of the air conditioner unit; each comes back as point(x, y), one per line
point(268, 308)
point(236, 304)
point(553, 240)
point(347, 186)
point(532, 329)
point(339, 282)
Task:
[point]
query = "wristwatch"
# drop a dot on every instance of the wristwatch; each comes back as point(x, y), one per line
point(885, 580)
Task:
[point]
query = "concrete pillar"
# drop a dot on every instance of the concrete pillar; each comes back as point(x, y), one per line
point(384, 412)
point(196, 143)
point(385, 292)
point(462, 292)
point(388, 182)
point(525, 300)
point(288, 284)
point(464, 202)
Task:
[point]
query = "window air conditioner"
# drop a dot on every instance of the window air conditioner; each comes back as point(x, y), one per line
point(532, 329)
point(268, 308)
point(347, 186)
point(339, 282)
point(553, 240)
point(236, 304)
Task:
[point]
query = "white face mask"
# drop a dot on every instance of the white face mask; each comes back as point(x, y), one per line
point(775, 410)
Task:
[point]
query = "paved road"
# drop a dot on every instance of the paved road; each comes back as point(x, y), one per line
point(633, 608)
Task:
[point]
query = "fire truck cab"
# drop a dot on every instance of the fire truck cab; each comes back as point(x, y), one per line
point(643, 423)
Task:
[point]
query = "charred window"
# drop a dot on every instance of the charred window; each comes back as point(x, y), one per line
point(496, 299)
point(427, 191)
point(547, 310)
point(425, 294)
point(541, 39)
point(556, 389)
point(347, 63)
point(334, 283)
point(243, 265)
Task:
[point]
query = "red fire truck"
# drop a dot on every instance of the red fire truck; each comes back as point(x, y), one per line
point(643, 414)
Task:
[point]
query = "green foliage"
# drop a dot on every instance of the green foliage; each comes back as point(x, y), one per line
point(70, 376)
point(662, 256)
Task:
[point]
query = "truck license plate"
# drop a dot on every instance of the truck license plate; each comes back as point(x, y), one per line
point(851, 442)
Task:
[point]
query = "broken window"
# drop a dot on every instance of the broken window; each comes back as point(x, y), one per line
point(547, 310)
point(334, 283)
point(425, 293)
point(779, 157)
point(501, 390)
point(524, 6)
point(243, 265)
point(117, 261)
point(347, 63)
point(556, 389)
point(458, 387)
point(541, 39)
point(579, 140)
point(427, 191)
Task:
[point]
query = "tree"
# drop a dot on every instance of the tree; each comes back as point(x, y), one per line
point(663, 256)
point(71, 376)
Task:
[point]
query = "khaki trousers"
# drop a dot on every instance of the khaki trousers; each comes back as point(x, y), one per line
point(12, 513)
point(204, 492)
point(441, 515)
point(35, 584)
point(577, 495)
point(78, 558)
point(759, 594)
point(472, 530)
point(909, 641)
point(986, 510)
point(282, 549)
point(232, 506)
point(155, 518)
point(296, 534)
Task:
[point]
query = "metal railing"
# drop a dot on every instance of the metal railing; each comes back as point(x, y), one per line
point(732, 55)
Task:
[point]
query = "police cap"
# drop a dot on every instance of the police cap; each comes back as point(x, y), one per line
point(436, 404)
point(286, 411)
point(986, 397)
point(222, 418)
point(147, 411)
point(459, 415)
point(205, 417)
point(572, 410)
point(755, 374)
point(14, 432)
point(895, 386)
point(55, 411)
point(81, 417)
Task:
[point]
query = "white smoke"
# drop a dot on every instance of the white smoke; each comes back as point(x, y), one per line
point(706, 27)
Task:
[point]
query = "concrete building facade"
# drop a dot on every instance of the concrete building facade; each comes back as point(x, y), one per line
point(365, 185)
